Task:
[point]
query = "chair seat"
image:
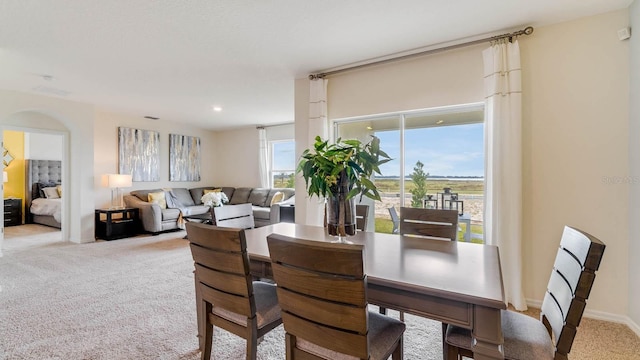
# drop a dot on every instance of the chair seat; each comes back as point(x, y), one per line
point(383, 333)
point(525, 338)
point(267, 308)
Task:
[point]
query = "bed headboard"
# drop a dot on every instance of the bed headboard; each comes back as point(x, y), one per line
point(37, 173)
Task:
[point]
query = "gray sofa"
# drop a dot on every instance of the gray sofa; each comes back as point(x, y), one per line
point(155, 220)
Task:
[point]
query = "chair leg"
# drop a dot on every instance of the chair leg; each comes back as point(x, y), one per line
point(252, 339)
point(444, 343)
point(382, 310)
point(402, 316)
point(290, 344)
point(208, 334)
point(398, 352)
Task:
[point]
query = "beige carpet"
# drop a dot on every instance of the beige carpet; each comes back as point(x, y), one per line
point(133, 299)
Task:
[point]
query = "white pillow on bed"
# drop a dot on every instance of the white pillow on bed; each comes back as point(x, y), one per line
point(51, 193)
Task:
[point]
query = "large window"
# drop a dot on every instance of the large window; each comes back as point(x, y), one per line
point(432, 150)
point(283, 163)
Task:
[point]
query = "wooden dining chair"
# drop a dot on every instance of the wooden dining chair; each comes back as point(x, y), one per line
point(226, 296)
point(362, 217)
point(551, 337)
point(440, 224)
point(235, 216)
point(429, 223)
point(322, 290)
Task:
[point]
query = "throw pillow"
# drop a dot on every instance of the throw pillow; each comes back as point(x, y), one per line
point(59, 189)
point(158, 198)
point(51, 193)
point(206, 191)
point(277, 197)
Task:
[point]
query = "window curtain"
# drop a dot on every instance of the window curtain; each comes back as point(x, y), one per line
point(264, 161)
point(503, 149)
point(318, 126)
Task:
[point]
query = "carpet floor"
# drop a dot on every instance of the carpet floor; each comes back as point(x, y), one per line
point(134, 299)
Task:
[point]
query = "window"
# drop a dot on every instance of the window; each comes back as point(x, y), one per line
point(283, 163)
point(432, 149)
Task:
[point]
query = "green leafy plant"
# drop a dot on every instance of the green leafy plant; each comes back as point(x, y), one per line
point(323, 166)
point(419, 191)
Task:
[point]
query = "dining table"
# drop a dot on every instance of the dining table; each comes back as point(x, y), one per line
point(452, 282)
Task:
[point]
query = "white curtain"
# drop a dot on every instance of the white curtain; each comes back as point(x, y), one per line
point(264, 162)
point(318, 126)
point(503, 149)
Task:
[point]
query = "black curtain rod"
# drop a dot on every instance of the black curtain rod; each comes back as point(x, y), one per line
point(526, 31)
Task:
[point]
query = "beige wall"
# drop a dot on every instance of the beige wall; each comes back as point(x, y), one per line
point(634, 164)
point(575, 125)
point(575, 121)
point(106, 152)
point(236, 152)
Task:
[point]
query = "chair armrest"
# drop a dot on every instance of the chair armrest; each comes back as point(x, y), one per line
point(150, 214)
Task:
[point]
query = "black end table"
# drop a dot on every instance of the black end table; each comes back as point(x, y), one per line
point(124, 224)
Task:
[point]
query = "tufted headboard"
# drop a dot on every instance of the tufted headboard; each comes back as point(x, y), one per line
point(37, 173)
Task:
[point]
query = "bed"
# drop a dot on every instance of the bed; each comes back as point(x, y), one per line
point(42, 178)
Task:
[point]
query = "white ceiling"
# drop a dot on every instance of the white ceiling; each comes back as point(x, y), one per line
point(176, 59)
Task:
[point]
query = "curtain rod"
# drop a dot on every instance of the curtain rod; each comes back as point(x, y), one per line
point(526, 31)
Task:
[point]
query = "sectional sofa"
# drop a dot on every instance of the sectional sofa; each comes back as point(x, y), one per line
point(157, 217)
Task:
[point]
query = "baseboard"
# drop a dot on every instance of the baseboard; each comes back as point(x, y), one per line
point(599, 315)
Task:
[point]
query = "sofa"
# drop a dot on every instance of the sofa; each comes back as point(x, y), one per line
point(157, 217)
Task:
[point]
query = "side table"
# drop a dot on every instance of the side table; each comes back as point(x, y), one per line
point(12, 211)
point(288, 213)
point(125, 224)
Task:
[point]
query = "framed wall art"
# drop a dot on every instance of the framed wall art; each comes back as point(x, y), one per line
point(184, 158)
point(139, 154)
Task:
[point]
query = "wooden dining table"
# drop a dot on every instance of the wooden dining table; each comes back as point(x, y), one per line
point(453, 282)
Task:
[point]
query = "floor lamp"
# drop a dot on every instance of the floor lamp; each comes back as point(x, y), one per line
point(117, 182)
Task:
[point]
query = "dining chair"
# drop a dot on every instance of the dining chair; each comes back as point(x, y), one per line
point(439, 224)
point(322, 292)
point(362, 216)
point(234, 216)
point(394, 218)
point(226, 296)
point(551, 337)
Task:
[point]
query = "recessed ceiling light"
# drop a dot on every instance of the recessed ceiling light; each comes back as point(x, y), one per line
point(369, 128)
point(439, 122)
point(217, 108)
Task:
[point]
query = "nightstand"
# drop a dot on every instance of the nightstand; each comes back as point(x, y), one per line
point(12, 212)
point(125, 223)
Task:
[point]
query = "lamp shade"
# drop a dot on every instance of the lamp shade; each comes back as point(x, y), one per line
point(118, 180)
point(5, 176)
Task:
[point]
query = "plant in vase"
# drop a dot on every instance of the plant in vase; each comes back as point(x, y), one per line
point(339, 172)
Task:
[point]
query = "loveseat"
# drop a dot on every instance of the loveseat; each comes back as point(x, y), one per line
point(157, 217)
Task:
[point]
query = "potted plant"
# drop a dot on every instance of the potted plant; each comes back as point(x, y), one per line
point(339, 172)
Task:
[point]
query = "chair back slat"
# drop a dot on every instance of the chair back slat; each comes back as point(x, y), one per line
point(332, 288)
point(429, 223)
point(227, 282)
point(318, 283)
point(234, 216)
point(334, 315)
point(362, 216)
point(318, 256)
point(235, 303)
point(231, 262)
point(222, 240)
point(344, 342)
point(569, 288)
